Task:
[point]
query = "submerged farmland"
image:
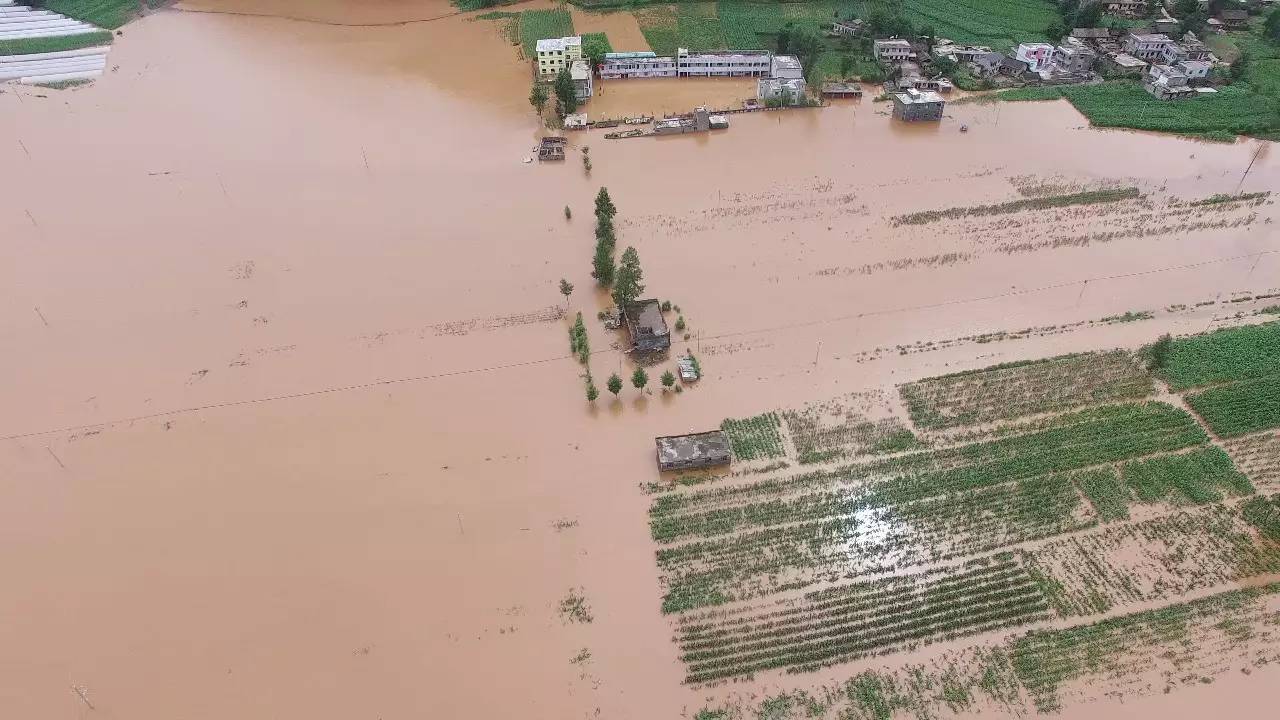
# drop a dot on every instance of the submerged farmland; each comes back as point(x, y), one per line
point(1026, 495)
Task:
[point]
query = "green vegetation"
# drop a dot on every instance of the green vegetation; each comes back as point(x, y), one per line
point(614, 385)
point(595, 45)
point(1222, 198)
point(639, 379)
point(898, 512)
point(27, 46)
point(1103, 489)
point(578, 344)
point(1263, 514)
point(538, 25)
point(1016, 389)
point(574, 609)
point(1091, 197)
point(755, 437)
point(1242, 407)
point(1002, 24)
point(1198, 477)
point(1129, 645)
point(602, 267)
point(109, 14)
point(629, 284)
point(1239, 353)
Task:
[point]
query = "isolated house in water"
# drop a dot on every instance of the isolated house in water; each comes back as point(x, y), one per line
point(685, 452)
point(647, 327)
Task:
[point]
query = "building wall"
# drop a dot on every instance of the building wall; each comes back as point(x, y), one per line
point(913, 112)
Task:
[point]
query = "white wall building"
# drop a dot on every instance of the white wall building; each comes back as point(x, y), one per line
point(580, 71)
point(745, 63)
point(895, 50)
point(1037, 56)
point(555, 54)
point(786, 67)
point(636, 65)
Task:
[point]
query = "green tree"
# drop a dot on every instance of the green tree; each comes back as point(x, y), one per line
point(568, 214)
point(806, 46)
point(639, 378)
point(1271, 26)
point(784, 38)
point(1055, 32)
point(846, 67)
point(1239, 67)
point(1089, 15)
point(668, 379)
point(927, 34)
point(592, 392)
point(604, 204)
point(538, 96)
point(945, 65)
point(615, 384)
point(565, 94)
point(1183, 8)
point(566, 289)
point(594, 47)
point(602, 267)
point(628, 284)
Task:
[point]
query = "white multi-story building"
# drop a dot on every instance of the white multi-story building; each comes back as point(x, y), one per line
point(1194, 69)
point(1148, 46)
point(744, 63)
point(895, 50)
point(556, 54)
point(580, 72)
point(786, 67)
point(636, 65)
point(1037, 56)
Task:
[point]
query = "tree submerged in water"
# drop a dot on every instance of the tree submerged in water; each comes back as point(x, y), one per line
point(628, 283)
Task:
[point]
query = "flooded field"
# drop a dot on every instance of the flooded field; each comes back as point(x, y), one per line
point(292, 430)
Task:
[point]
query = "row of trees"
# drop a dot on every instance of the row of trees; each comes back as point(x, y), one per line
point(639, 380)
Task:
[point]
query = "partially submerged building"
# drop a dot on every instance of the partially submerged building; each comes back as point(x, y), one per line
point(643, 64)
point(915, 105)
point(699, 450)
point(580, 72)
point(645, 324)
point(779, 90)
point(555, 54)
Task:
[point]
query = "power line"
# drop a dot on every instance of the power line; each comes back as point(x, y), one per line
point(558, 358)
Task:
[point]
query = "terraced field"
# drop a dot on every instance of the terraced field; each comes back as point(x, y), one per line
point(1044, 493)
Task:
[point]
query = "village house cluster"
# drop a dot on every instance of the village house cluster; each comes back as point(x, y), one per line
point(1169, 69)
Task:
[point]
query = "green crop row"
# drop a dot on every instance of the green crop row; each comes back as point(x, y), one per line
point(538, 25)
point(755, 437)
point(1198, 477)
point(1240, 353)
point(1046, 659)
point(1242, 407)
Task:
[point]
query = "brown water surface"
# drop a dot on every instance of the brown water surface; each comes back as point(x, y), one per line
point(290, 428)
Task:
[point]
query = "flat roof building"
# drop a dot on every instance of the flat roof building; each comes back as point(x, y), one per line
point(555, 54)
point(645, 324)
point(786, 67)
point(893, 50)
point(916, 105)
point(687, 452)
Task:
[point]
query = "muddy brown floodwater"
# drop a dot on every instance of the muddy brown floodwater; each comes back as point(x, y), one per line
point(290, 429)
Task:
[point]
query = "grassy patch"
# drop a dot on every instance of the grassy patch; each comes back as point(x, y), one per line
point(27, 46)
point(109, 14)
point(1233, 354)
point(538, 25)
point(1263, 514)
point(1242, 407)
point(658, 24)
